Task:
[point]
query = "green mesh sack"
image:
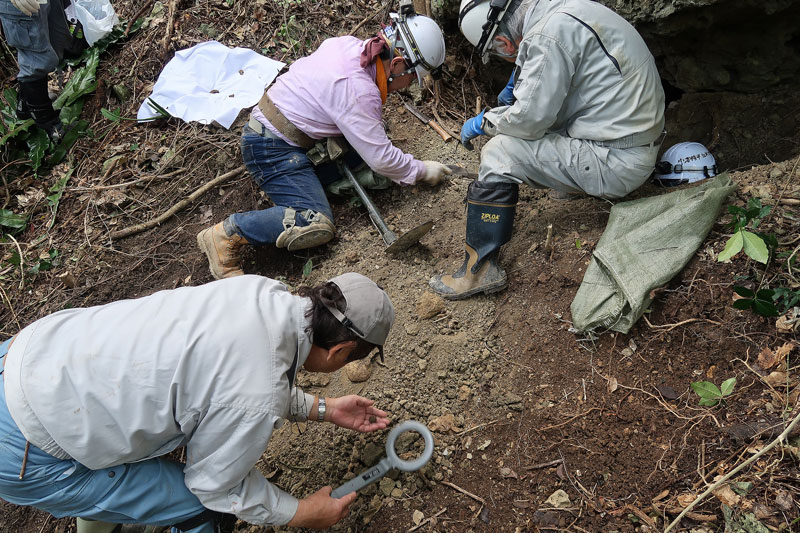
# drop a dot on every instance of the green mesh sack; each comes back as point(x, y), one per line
point(645, 244)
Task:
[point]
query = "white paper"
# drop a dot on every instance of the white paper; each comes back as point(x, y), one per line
point(210, 82)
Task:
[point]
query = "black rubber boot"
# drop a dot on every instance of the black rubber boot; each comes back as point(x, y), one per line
point(490, 220)
point(34, 102)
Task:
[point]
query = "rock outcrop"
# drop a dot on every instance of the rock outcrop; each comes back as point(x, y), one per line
point(710, 45)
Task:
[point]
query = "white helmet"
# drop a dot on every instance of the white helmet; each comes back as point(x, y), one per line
point(685, 162)
point(421, 41)
point(478, 20)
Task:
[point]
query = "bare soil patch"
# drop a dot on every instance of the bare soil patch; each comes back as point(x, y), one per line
point(508, 387)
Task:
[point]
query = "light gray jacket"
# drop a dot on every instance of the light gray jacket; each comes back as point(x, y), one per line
point(584, 72)
point(207, 367)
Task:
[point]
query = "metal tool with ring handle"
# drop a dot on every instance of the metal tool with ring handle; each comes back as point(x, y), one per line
point(391, 460)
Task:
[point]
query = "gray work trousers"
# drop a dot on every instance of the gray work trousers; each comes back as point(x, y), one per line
point(567, 165)
point(40, 39)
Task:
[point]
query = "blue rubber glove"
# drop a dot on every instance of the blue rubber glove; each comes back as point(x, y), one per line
point(471, 129)
point(506, 96)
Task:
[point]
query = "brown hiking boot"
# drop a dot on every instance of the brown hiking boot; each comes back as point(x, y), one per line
point(224, 251)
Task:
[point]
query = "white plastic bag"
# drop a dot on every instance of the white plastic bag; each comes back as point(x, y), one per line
point(97, 18)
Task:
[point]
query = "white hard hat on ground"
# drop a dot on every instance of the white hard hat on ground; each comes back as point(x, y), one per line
point(421, 42)
point(685, 162)
point(479, 20)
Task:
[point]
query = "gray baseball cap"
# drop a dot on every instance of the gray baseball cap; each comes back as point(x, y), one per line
point(368, 311)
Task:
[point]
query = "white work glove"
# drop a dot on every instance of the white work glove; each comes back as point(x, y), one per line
point(434, 173)
point(29, 7)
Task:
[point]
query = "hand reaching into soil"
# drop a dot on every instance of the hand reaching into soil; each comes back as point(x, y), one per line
point(320, 511)
point(355, 412)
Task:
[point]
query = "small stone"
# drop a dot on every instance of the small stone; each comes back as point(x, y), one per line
point(443, 424)
point(68, 280)
point(351, 256)
point(464, 393)
point(121, 92)
point(429, 305)
point(359, 371)
point(412, 328)
point(417, 516)
point(559, 499)
point(397, 493)
point(423, 364)
point(386, 486)
point(784, 501)
point(372, 452)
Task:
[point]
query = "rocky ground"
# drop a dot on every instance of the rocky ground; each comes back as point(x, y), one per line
point(535, 428)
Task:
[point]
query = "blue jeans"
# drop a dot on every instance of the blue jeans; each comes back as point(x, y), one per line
point(40, 39)
point(289, 179)
point(148, 492)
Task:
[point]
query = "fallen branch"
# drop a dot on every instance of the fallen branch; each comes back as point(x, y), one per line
point(365, 20)
point(733, 472)
point(548, 464)
point(697, 517)
point(479, 426)
point(129, 183)
point(427, 520)
point(462, 491)
point(568, 421)
point(21, 262)
point(138, 228)
point(683, 322)
point(173, 7)
point(136, 16)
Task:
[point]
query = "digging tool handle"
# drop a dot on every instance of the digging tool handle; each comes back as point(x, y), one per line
point(438, 129)
point(429, 121)
point(388, 235)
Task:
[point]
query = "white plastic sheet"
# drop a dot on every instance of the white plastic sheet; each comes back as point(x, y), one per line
point(210, 82)
point(96, 16)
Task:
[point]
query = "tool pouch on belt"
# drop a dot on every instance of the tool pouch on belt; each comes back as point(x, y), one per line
point(327, 150)
point(330, 150)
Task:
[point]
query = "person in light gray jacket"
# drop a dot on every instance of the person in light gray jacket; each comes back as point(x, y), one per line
point(583, 113)
point(94, 398)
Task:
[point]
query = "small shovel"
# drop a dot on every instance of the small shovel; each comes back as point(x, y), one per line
point(394, 244)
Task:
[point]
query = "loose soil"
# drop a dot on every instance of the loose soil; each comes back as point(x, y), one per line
point(521, 407)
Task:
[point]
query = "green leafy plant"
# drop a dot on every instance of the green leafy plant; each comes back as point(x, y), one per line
point(753, 244)
point(710, 394)
point(12, 221)
point(786, 298)
point(56, 191)
point(45, 262)
point(307, 268)
point(760, 301)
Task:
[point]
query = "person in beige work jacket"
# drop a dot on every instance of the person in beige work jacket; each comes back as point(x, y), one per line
point(94, 398)
point(583, 113)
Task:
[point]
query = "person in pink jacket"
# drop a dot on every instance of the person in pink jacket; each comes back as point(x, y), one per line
point(337, 91)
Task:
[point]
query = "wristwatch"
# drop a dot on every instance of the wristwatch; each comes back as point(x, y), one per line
point(321, 409)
